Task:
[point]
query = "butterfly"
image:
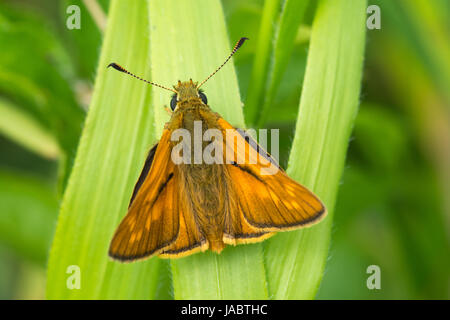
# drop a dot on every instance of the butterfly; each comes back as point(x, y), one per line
point(180, 208)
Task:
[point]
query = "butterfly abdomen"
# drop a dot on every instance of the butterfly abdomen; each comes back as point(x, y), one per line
point(206, 188)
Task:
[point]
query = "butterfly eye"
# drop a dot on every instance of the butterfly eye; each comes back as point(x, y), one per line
point(203, 97)
point(173, 102)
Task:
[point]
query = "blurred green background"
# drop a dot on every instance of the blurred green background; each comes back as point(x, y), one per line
point(393, 208)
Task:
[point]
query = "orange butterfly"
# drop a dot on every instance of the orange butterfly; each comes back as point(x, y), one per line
point(177, 209)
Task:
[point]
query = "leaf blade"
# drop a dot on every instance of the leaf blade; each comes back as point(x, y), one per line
point(295, 261)
point(177, 53)
point(118, 133)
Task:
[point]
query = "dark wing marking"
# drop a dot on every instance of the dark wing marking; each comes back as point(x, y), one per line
point(144, 172)
point(257, 147)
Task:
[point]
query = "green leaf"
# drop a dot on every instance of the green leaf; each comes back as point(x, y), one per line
point(295, 260)
point(20, 127)
point(28, 209)
point(83, 43)
point(179, 52)
point(117, 135)
point(41, 85)
point(422, 27)
point(262, 60)
point(285, 36)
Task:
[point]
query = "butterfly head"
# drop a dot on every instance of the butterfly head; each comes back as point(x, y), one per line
point(187, 92)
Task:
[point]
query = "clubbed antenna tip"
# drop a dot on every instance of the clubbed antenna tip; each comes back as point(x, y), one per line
point(240, 43)
point(236, 47)
point(122, 69)
point(117, 67)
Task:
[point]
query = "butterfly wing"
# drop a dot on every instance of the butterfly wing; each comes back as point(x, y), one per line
point(237, 230)
point(152, 221)
point(268, 199)
point(189, 239)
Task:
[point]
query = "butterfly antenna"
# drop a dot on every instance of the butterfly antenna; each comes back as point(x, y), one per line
point(236, 47)
point(121, 69)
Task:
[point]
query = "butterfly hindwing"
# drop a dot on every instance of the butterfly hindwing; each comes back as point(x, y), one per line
point(189, 239)
point(236, 228)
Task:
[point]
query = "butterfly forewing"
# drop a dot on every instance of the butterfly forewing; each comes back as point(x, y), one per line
point(152, 223)
point(268, 198)
point(159, 219)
